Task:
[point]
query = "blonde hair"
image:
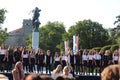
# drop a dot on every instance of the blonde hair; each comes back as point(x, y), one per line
point(17, 64)
point(3, 77)
point(66, 68)
point(111, 72)
point(58, 69)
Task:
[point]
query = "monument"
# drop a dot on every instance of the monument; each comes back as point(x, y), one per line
point(35, 23)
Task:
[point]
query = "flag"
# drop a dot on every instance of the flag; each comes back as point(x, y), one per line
point(66, 47)
point(75, 44)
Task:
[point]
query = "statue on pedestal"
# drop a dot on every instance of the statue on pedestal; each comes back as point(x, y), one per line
point(35, 20)
point(35, 23)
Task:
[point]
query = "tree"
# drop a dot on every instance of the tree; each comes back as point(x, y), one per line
point(3, 35)
point(91, 34)
point(115, 32)
point(118, 20)
point(3, 32)
point(2, 15)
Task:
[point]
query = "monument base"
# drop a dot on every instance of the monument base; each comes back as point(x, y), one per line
point(35, 39)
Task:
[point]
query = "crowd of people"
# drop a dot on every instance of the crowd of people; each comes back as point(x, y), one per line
point(84, 62)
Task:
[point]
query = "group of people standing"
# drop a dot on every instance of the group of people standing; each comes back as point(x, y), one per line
point(32, 60)
point(83, 62)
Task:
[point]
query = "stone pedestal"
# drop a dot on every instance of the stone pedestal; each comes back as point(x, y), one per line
point(35, 39)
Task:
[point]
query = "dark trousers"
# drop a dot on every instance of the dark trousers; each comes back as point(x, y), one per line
point(48, 68)
point(73, 69)
point(91, 67)
point(40, 67)
point(32, 65)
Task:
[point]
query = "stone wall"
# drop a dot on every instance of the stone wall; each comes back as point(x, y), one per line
point(19, 36)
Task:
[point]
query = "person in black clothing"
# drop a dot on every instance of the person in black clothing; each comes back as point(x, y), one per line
point(48, 62)
point(17, 55)
point(10, 58)
point(107, 58)
point(101, 52)
point(71, 60)
point(40, 60)
point(77, 61)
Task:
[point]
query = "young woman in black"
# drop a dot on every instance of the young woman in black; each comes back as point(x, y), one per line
point(17, 55)
point(107, 58)
point(40, 60)
point(10, 58)
point(48, 61)
point(77, 62)
point(71, 60)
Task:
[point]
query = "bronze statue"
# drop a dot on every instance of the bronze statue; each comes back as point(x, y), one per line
point(35, 20)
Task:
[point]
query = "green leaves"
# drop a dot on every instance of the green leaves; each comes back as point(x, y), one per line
point(2, 15)
point(91, 33)
point(3, 32)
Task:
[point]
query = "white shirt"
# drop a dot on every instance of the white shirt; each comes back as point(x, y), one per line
point(57, 59)
point(97, 57)
point(90, 57)
point(25, 55)
point(55, 75)
point(115, 58)
point(85, 57)
point(63, 57)
point(68, 76)
point(2, 51)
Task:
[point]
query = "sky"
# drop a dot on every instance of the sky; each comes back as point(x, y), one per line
point(66, 11)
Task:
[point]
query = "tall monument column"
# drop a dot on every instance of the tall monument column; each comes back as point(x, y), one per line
point(36, 23)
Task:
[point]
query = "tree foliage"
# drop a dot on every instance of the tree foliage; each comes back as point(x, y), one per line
point(3, 35)
point(2, 15)
point(3, 32)
point(91, 34)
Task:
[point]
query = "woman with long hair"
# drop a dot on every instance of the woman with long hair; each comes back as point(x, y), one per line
point(115, 57)
point(85, 61)
point(57, 60)
point(25, 61)
point(57, 72)
point(40, 60)
point(18, 72)
point(32, 60)
point(3, 57)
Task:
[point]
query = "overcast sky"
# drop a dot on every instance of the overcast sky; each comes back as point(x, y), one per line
point(66, 11)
